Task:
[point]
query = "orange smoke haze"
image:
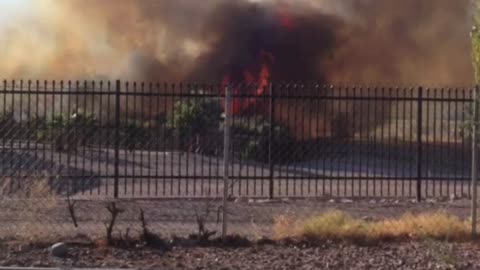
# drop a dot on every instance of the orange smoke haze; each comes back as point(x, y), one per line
point(347, 41)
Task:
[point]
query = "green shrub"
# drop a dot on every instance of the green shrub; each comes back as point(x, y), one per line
point(133, 134)
point(67, 132)
point(257, 147)
point(7, 124)
point(195, 121)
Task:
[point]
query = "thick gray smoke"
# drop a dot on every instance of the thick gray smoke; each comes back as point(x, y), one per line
point(349, 41)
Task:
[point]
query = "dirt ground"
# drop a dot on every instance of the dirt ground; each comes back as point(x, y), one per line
point(50, 218)
point(49, 221)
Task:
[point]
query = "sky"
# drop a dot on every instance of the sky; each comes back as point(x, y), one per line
point(10, 9)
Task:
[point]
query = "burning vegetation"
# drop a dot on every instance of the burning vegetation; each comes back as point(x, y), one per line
point(386, 42)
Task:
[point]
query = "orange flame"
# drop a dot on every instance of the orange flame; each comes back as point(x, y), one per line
point(241, 104)
point(286, 21)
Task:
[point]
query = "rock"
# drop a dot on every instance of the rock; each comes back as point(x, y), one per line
point(286, 200)
point(185, 243)
point(373, 202)
point(453, 197)
point(22, 248)
point(444, 198)
point(265, 201)
point(383, 201)
point(241, 200)
point(59, 250)
point(332, 201)
point(347, 201)
point(251, 201)
point(367, 218)
point(432, 201)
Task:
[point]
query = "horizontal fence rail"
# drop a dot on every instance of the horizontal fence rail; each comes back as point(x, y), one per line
point(135, 140)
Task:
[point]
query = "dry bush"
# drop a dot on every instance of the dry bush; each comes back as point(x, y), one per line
point(337, 225)
point(285, 226)
point(439, 225)
point(334, 225)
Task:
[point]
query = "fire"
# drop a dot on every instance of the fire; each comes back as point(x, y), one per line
point(286, 21)
point(254, 84)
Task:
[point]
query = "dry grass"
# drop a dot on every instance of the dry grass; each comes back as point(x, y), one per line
point(337, 225)
point(29, 207)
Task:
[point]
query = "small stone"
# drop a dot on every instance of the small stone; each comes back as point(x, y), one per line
point(383, 201)
point(59, 250)
point(396, 202)
point(22, 248)
point(373, 201)
point(347, 201)
point(453, 197)
point(331, 201)
point(251, 201)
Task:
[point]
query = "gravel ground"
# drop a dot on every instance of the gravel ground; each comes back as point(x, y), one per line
point(414, 255)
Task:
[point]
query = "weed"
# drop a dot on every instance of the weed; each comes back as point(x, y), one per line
point(147, 236)
point(114, 212)
point(203, 234)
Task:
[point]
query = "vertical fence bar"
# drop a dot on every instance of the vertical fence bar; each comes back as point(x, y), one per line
point(419, 143)
point(117, 139)
point(109, 125)
point(226, 160)
point(474, 161)
point(270, 141)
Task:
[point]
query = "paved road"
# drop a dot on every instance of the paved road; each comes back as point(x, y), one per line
point(90, 171)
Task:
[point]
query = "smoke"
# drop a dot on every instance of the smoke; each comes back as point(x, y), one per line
point(347, 41)
point(385, 42)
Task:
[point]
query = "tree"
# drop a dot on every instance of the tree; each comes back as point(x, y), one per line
point(475, 38)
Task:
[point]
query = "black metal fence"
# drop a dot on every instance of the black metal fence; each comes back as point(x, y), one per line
point(287, 140)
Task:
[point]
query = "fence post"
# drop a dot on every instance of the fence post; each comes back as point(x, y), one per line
point(117, 138)
point(474, 160)
point(270, 140)
point(419, 143)
point(226, 161)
